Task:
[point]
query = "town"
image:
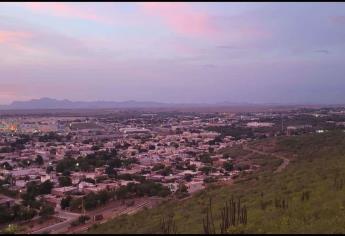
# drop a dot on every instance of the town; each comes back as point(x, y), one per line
point(64, 172)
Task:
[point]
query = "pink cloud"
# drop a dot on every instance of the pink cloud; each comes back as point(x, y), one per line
point(181, 18)
point(63, 10)
point(10, 92)
point(13, 36)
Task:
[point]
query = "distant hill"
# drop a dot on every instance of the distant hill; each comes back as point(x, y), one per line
point(50, 103)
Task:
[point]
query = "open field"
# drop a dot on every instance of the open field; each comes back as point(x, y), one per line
point(316, 168)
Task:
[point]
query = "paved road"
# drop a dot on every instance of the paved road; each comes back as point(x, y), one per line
point(282, 166)
point(113, 213)
point(61, 226)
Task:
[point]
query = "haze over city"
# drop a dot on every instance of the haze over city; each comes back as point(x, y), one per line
point(173, 52)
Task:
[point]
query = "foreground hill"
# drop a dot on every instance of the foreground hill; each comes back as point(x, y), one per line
point(306, 197)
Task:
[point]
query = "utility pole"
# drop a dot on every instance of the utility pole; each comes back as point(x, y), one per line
point(281, 116)
point(82, 206)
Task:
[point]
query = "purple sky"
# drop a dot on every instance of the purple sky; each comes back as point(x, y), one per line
point(173, 52)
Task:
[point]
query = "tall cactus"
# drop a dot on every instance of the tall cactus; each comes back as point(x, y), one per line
point(168, 225)
point(208, 222)
point(232, 214)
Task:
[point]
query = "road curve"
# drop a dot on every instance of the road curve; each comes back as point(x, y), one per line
point(282, 166)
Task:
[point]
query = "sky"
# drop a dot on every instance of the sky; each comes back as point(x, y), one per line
point(173, 52)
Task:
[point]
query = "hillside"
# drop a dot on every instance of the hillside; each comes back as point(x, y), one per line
point(311, 187)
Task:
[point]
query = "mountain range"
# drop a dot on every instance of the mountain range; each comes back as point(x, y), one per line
point(50, 103)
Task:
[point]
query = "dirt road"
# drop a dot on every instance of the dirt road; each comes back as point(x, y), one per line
point(282, 166)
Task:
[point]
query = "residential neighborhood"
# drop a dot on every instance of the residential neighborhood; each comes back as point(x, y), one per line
point(56, 165)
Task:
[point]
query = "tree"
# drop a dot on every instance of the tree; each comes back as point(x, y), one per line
point(82, 219)
point(110, 171)
point(175, 145)
point(75, 204)
point(103, 197)
point(46, 210)
point(226, 155)
point(206, 169)
point(218, 139)
point(188, 177)
point(166, 171)
point(90, 180)
point(158, 166)
point(39, 160)
point(49, 169)
point(32, 191)
point(7, 166)
point(191, 167)
point(206, 158)
point(46, 187)
point(90, 201)
point(228, 166)
point(95, 147)
point(210, 180)
point(5, 215)
point(242, 167)
point(65, 164)
point(182, 191)
point(65, 181)
point(65, 202)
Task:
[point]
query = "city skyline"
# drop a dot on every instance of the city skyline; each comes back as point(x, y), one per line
point(234, 52)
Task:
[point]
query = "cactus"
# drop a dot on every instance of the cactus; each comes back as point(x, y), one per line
point(208, 222)
point(338, 182)
point(281, 203)
point(232, 214)
point(305, 196)
point(168, 225)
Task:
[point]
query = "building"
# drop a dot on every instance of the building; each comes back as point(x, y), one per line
point(6, 201)
point(64, 191)
point(259, 124)
point(134, 130)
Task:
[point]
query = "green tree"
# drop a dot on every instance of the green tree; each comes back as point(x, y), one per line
point(46, 187)
point(206, 158)
point(166, 171)
point(49, 169)
point(65, 202)
point(228, 166)
point(39, 160)
point(65, 181)
point(158, 166)
point(68, 163)
point(206, 169)
point(46, 210)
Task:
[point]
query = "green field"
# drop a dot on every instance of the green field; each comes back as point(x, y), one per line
point(318, 168)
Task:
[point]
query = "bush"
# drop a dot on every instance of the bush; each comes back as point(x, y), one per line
point(46, 210)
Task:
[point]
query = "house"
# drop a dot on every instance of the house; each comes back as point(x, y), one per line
point(64, 191)
point(194, 186)
point(6, 201)
point(51, 200)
